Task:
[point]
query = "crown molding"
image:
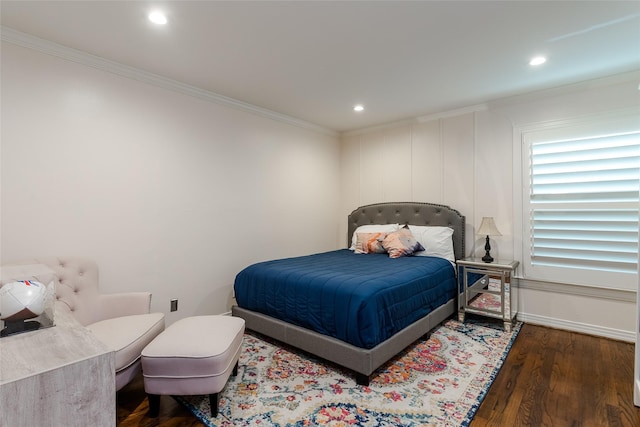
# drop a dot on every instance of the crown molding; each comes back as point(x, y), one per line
point(50, 48)
point(452, 113)
point(378, 128)
point(632, 76)
point(624, 77)
point(417, 120)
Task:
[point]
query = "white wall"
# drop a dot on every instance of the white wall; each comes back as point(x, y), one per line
point(465, 159)
point(167, 192)
point(176, 194)
point(430, 162)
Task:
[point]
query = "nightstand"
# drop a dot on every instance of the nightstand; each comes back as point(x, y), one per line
point(488, 289)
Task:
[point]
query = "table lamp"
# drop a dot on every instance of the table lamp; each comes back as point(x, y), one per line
point(488, 228)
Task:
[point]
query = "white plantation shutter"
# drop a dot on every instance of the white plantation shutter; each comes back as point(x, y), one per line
point(583, 206)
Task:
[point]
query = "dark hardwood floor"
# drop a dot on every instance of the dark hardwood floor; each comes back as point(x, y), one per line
point(132, 407)
point(550, 378)
point(560, 378)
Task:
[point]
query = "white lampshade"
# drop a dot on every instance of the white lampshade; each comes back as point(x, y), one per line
point(488, 227)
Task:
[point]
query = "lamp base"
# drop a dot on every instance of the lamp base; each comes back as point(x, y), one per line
point(487, 257)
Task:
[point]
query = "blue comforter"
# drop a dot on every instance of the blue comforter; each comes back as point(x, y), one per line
point(359, 299)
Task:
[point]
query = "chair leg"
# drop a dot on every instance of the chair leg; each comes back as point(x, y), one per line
point(213, 402)
point(154, 405)
point(235, 369)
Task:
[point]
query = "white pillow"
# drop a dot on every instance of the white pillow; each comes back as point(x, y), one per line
point(437, 241)
point(372, 228)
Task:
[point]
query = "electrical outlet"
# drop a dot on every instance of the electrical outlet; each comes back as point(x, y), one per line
point(174, 305)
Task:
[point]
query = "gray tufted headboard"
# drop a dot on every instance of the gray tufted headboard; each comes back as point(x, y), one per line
point(413, 213)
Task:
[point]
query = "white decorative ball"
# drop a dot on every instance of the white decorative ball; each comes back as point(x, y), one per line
point(23, 299)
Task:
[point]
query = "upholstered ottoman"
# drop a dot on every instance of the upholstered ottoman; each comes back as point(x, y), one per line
point(194, 356)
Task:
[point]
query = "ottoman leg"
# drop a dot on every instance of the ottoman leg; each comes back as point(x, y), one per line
point(213, 402)
point(235, 369)
point(154, 405)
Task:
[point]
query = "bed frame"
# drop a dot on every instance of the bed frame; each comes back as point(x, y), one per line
point(365, 361)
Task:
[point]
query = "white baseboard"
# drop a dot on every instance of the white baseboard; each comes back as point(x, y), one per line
point(585, 328)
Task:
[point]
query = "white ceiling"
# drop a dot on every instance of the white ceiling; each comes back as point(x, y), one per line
point(315, 60)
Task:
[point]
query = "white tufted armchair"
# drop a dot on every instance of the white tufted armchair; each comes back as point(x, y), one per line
point(121, 321)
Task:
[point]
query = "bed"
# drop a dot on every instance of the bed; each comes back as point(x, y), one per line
point(396, 300)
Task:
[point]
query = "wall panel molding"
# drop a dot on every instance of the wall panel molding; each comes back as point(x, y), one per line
point(623, 295)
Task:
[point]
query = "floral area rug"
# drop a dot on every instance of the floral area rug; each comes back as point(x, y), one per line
point(439, 381)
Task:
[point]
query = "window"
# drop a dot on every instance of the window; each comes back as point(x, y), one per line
point(581, 203)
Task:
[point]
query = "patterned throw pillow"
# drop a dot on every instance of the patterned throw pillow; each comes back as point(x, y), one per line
point(372, 228)
point(370, 243)
point(401, 243)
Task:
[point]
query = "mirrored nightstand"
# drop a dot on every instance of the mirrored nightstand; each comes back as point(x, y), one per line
point(488, 289)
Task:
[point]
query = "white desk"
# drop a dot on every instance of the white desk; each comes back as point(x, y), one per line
point(58, 376)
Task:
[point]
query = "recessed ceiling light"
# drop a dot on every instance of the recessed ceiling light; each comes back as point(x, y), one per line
point(158, 18)
point(538, 60)
point(358, 108)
